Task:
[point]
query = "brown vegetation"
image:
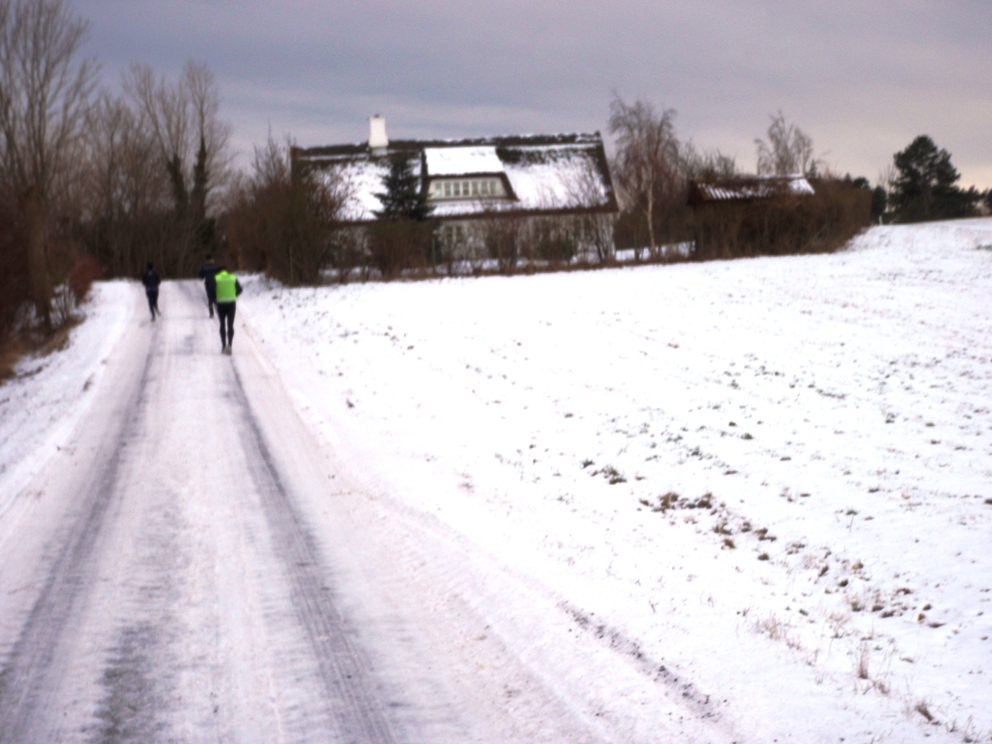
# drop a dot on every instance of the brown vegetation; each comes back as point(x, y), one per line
point(13, 268)
point(93, 186)
point(284, 223)
point(787, 224)
point(396, 246)
point(157, 157)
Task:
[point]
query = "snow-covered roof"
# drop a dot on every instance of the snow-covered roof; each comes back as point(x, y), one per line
point(362, 181)
point(461, 161)
point(749, 188)
point(540, 174)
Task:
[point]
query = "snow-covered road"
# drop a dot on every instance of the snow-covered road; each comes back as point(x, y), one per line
point(163, 584)
point(192, 565)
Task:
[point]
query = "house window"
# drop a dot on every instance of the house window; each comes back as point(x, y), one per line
point(466, 189)
point(454, 234)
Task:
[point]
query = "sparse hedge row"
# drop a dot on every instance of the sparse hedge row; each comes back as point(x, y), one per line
point(820, 223)
point(292, 231)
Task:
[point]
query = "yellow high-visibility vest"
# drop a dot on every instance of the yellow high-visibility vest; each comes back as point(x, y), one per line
point(226, 289)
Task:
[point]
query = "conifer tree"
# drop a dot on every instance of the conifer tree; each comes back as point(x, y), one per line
point(924, 187)
point(403, 199)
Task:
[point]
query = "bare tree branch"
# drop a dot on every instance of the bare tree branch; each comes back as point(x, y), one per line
point(43, 93)
point(43, 98)
point(645, 168)
point(788, 151)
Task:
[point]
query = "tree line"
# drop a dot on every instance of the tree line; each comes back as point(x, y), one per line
point(653, 171)
point(94, 182)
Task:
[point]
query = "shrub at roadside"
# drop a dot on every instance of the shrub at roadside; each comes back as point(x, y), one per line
point(84, 272)
point(13, 272)
point(284, 223)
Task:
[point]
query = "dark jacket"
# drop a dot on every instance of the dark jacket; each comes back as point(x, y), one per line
point(151, 280)
point(209, 269)
point(207, 273)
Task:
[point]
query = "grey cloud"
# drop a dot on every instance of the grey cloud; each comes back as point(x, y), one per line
point(862, 78)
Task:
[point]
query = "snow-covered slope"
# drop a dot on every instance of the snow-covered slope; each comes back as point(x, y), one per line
point(42, 404)
point(765, 481)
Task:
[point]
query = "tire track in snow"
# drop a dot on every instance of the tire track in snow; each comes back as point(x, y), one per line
point(355, 701)
point(28, 674)
point(138, 702)
point(656, 669)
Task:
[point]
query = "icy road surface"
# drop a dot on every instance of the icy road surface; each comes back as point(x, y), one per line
point(188, 563)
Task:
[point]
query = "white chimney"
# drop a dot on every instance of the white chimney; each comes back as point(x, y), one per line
point(377, 132)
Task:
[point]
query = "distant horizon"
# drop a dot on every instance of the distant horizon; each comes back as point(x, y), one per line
point(862, 82)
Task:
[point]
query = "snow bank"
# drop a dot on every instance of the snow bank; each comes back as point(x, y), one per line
point(767, 480)
point(40, 407)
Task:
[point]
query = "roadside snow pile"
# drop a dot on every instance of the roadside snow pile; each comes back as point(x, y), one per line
point(41, 405)
point(768, 480)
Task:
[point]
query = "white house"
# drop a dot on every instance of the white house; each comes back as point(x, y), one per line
point(551, 187)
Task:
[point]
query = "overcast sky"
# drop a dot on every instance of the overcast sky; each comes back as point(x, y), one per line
point(862, 78)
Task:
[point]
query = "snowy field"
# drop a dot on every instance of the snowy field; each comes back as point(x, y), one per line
point(768, 481)
point(764, 485)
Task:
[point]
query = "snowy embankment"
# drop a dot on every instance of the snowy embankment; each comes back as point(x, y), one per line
point(41, 405)
point(772, 476)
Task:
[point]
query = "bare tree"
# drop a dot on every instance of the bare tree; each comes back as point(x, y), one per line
point(502, 235)
point(125, 193)
point(789, 150)
point(645, 167)
point(43, 97)
point(182, 119)
point(706, 164)
point(584, 192)
point(288, 221)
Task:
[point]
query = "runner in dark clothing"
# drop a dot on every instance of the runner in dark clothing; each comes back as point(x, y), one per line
point(207, 273)
point(151, 280)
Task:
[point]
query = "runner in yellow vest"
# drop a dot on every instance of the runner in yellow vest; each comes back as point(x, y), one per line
point(228, 289)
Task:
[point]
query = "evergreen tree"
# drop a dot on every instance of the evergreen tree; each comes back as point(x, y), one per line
point(924, 187)
point(878, 202)
point(180, 196)
point(204, 228)
point(201, 176)
point(403, 198)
